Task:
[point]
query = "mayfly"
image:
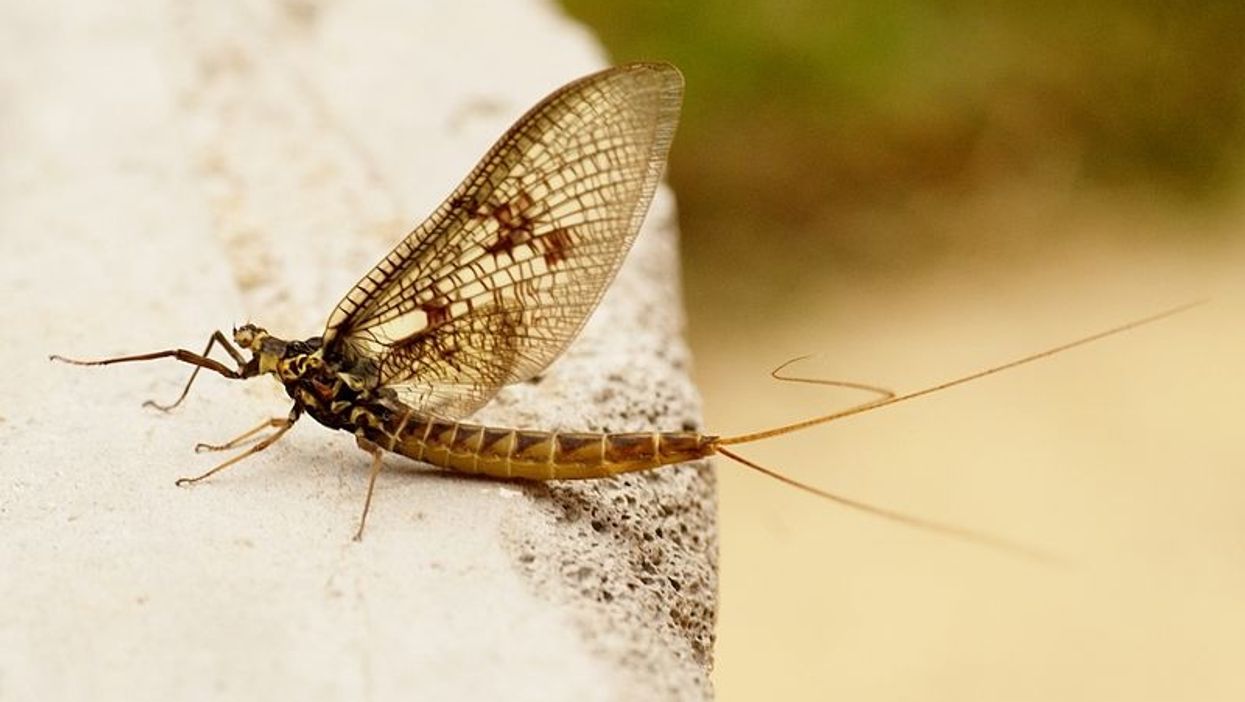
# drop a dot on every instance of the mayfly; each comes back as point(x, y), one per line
point(488, 291)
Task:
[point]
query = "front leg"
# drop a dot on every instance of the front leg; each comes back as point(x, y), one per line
point(199, 361)
point(217, 338)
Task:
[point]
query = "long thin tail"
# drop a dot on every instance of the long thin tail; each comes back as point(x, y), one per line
point(890, 398)
point(980, 538)
point(870, 406)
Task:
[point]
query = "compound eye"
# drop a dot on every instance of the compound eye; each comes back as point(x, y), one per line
point(243, 337)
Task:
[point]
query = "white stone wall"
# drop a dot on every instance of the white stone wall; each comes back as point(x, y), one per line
point(171, 169)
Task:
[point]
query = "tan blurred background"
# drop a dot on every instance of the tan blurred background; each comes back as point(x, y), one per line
point(915, 191)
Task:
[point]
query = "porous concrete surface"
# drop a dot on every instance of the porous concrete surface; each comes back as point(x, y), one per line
point(173, 169)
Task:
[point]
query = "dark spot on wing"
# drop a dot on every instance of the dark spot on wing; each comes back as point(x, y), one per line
point(514, 222)
point(438, 312)
point(556, 245)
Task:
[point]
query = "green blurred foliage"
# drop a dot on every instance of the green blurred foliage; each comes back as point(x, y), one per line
point(802, 114)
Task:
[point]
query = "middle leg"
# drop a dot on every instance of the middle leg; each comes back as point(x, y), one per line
point(243, 438)
point(283, 426)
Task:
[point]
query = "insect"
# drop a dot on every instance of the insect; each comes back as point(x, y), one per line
point(488, 291)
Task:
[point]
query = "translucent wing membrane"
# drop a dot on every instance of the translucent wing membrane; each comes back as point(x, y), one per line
point(456, 368)
point(494, 285)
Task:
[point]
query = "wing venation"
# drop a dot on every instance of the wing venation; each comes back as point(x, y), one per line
point(501, 277)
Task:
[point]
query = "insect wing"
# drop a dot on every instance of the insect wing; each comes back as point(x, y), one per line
point(494, 285)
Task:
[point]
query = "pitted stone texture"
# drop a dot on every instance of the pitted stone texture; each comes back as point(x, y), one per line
point(642, 544)
point(171, 170)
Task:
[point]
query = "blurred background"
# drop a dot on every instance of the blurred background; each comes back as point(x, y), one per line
point(914, 191)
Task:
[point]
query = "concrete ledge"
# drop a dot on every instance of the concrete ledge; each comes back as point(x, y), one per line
point(170, 171)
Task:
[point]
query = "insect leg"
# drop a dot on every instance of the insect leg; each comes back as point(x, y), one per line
point(243, 438)
point(282, 427)
point(217, 337)
point(377, 463)
point(194, 359)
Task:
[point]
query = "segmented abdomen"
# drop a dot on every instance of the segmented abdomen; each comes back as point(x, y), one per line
point(534, 455)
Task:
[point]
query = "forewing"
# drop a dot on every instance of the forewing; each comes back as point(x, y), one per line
point(494, 285)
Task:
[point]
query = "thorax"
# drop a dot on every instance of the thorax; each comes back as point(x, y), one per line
point(334, 398)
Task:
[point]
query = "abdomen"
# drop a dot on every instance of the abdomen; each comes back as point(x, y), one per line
point(534, 455)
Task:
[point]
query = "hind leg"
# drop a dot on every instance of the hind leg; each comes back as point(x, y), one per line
point(377, 464)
